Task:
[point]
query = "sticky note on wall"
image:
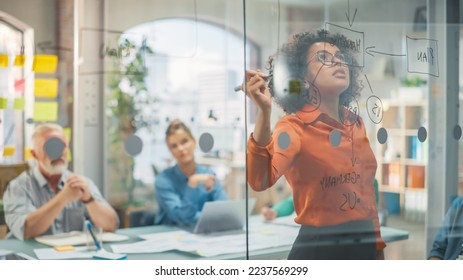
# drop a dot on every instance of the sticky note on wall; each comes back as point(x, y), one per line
point(69, 157)
point(19, 103)
point(19, 85)
point(45, 111)
point(68, 133)
point(46, 88)
point(3, 103)
point(19, 60)
point(27, 153)
point(3, 60)
point(45, 63)
point(8, 151)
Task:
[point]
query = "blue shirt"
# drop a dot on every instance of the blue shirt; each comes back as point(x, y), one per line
point(179, 204)
point(30, 191)
point(449, 239)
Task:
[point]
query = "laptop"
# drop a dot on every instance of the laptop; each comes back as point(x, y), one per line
point(223, 215)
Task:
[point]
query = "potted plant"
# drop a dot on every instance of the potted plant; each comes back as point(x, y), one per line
point(127, 96)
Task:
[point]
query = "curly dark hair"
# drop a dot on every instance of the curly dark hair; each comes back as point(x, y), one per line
point(293, 56)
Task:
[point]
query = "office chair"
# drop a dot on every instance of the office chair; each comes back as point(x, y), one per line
point(10, 171)
point(7, 173)
point(138, 217)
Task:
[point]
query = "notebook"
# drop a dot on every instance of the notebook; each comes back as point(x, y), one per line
point(223, 215)
point(76, 238)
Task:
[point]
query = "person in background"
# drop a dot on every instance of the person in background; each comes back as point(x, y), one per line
point(50, 199)
point(183, 189)
point(448, 242)
point(281, 209)
point(320, 146)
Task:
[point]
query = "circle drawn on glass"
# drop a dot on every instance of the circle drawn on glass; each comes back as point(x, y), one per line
point(382, 135)
point(133, 145)
point(375, 109)
point(54, 148)
point(283, 140)
point(335, 138)
point(206, 142)
point(351, 115)
point(457, 132)
point(422, 134)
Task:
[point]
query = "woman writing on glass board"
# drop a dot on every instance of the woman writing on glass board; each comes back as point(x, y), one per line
point(320, 146)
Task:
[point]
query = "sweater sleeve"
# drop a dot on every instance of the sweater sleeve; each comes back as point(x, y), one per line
point(266, 164)
point(284, 207)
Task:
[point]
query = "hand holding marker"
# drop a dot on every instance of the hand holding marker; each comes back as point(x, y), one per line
point(240, 87)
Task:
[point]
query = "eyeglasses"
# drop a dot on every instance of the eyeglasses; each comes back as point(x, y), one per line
point(327, 58)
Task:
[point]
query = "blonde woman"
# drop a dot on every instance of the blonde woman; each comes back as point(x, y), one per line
point(182, 189)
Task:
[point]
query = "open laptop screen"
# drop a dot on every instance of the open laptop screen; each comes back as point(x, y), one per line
point(223, 215)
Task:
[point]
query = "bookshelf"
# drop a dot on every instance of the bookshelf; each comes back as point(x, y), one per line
point(402, 160)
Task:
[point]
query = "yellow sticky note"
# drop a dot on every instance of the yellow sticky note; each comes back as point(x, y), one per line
point(64, 248)
point(8, 151)
point(45, 111)
point(69, 156)
point(19, 103)
point(3, 60)
point(68, 133)
point(3, 103)
point(45, 63)
point(27, 153)
point(46, 88)
point(19, 60)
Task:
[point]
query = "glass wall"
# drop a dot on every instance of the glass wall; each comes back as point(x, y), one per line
point(183, 62)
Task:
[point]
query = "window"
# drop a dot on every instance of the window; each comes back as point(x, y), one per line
point(190, 75)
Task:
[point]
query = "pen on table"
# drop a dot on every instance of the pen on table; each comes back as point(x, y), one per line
point(238, 87)
point(89, 226)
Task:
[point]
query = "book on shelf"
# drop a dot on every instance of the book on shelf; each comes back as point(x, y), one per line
point(394, 174)
point(416, 149)
point(415, 176)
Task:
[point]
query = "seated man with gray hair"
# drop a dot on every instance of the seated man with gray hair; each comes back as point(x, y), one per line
point(49, 199)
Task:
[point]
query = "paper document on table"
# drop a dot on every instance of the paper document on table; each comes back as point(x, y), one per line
point(52, 254)
point(105, 255)
point(3, 253)
point(76, 238)
point(163, 235)
point(80, 252)
point(287, 221)
point(146, 246)
point(261, 236)
point(155, 243)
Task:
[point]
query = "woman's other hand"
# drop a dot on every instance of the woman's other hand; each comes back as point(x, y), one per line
point(268, 213)
point(207, 179)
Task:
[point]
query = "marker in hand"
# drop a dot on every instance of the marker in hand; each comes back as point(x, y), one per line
point(89, 226)
point(238, 87)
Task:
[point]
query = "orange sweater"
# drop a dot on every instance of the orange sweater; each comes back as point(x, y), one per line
point(331, 185)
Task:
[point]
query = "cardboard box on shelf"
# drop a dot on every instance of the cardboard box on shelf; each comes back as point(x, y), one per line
point(415, 176)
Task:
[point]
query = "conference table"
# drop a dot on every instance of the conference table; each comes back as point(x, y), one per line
point(276, 252)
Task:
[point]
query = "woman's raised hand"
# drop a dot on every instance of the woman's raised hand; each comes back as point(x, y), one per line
point(257, 90)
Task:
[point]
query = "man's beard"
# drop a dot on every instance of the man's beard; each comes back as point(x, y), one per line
point(55, 169)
